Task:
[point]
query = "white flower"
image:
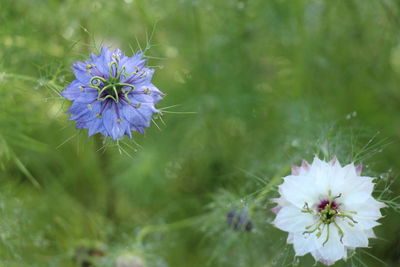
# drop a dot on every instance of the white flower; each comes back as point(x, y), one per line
point(327, 209)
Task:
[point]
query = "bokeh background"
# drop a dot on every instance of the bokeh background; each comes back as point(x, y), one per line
point(258, 85)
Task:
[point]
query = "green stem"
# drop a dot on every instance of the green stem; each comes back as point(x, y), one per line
point(27, 173)
point(271, 184)
point(193, 220)
point(18, 76)
point(149, 229)
point(103, 164)
point(28, 79)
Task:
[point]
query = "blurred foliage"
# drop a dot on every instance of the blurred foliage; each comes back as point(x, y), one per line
point(271, 82)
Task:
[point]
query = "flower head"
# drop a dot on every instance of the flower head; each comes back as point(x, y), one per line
point(327, 209)
point(239, 220)
point(112, 94)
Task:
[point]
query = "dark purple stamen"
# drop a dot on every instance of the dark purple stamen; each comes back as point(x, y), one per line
point(325, 203)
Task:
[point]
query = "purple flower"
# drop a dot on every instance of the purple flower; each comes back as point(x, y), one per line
point(112, 94)
point(239, 220)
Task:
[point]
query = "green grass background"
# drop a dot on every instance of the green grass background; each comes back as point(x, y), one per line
point(270, 82)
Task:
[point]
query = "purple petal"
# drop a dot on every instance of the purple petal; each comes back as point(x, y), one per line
point(333, 161)
point(102, 60)
point(359, 169)
point(150, 90)
point(112, 123)
point(76, 91)
point(131, 64)
point(72, 91)
point(96, 126)
point(305, 165)
point(84, 112)
point(81, 73)
point(138, 116)
point(295, 170)
point(138, 129)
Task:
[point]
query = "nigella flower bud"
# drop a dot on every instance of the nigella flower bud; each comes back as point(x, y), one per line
point(112, 94)
point(249, 226)
point(229, 217)
point(239, 221)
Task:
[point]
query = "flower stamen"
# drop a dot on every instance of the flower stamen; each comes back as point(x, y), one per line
point(340, 231)
point(327, 236)
point(111, 88)
point(327, 211)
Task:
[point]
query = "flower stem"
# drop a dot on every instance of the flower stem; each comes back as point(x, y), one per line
point(149, 229)
point(271, 184)
point(197, 219)
point(103, 164)
point(29, 79)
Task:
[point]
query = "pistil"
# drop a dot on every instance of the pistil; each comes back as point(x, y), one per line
point(112, 87)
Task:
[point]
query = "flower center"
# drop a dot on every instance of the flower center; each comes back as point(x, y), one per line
point(327, 211)
point(112, 87)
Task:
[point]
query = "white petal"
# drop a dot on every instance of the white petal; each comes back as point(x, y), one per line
point(367, 213)
point(333, 250)
point(370, 233)
point(350, 170)
point(353, 236)
point(291, 219)
point(280, 203)
point(299, 190)
point(338, 180)
point(317, 256)
point(305, 243)
point(357, 189)
point(305, 167)
point(290, 238)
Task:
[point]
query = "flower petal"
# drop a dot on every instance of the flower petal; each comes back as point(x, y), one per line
point(333, 250)
point(294, 191)
point(113, 124)
point(291, 219)
point(305, 243)
point(353, 236)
